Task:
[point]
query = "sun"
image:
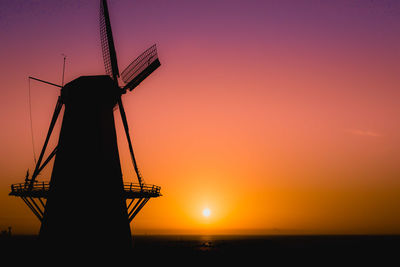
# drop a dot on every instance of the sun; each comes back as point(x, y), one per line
point(206, 212)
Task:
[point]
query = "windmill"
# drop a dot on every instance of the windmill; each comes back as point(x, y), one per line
point(86, 201)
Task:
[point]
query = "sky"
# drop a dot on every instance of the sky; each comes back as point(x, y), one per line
point(279, 117)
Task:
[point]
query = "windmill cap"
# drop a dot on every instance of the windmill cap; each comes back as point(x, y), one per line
point(91, 90)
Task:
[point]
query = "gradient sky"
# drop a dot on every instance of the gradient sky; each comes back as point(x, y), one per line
point(280, 117)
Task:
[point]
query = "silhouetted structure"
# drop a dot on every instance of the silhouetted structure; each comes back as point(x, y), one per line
point(88, 204)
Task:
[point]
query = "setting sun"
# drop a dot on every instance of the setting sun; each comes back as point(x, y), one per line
point(206, 212)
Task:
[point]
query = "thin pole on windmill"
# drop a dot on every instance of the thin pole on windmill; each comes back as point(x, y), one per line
point(62, 83)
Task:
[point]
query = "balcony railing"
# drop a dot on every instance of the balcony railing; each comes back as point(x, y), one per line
point(41, 189)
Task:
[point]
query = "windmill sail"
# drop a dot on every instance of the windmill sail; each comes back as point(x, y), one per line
point(141, 68)
point(107, 42)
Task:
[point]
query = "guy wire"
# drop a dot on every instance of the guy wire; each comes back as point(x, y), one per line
point(30, 116)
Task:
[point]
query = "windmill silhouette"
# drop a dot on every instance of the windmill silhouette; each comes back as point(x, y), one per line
point(86, 202)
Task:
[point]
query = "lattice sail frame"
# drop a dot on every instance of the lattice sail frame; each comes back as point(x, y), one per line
point(140, 64)
point(107, 42)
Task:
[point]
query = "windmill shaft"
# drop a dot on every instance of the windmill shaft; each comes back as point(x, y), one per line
point(86, 182)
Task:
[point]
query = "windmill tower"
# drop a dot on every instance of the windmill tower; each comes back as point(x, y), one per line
point(86, 203)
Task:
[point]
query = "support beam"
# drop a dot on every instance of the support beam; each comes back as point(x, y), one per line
point(32, 208)
point(41, 202)
point(134, 207)
point(125, 123)
point(130, 204)
point(51, 127)
point(37, 207)
point(52, 154)
point(138, 209)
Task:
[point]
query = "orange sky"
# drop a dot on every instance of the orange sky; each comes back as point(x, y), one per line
point(279, 117)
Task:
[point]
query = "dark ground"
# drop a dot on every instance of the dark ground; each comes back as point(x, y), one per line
point(214, 250)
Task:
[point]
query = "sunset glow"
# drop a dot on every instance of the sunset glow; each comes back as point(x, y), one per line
point(265, 117)
point(206, 212)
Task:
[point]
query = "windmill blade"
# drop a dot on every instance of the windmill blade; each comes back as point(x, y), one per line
point(125, 123)
point(141, 68)
point(107, 42)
